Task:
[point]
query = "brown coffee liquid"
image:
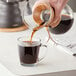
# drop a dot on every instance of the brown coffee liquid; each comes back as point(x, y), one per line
point(64, 25)
point(29, 53)
point(36, 29)
point(32, 35)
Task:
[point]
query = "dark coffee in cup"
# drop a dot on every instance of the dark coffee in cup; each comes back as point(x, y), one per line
point(29, 52)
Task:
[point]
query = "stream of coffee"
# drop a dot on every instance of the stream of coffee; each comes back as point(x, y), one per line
point(36, 29)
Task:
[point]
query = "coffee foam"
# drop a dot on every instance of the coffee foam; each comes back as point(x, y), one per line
point(29, 43)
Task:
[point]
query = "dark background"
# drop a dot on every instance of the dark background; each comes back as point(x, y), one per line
point(72, 4)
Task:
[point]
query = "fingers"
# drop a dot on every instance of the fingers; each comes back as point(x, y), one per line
point(58, 6)
point(55, 23)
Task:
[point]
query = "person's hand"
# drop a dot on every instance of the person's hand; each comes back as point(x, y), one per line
point(56, 7)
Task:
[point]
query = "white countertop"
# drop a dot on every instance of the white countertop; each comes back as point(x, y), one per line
point(56, 61)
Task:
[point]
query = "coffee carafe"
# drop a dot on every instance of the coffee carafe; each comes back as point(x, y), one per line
point(10, 14)
point(43, 14)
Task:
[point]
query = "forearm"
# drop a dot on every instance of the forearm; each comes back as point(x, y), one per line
point(63, 2)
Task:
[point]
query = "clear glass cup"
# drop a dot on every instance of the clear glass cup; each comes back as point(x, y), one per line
point(31, 53)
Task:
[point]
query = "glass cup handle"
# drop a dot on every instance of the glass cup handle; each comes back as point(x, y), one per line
point(41, 58)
